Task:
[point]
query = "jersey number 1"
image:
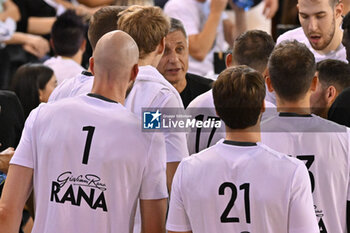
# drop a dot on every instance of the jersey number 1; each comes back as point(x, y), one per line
point(90, 130)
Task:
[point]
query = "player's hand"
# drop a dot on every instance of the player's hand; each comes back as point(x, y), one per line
point(270, 8)
point(217, 6)
point(5, 157)
point(36, 45)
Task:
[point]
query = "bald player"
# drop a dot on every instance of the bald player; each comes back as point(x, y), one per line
point(74, 153)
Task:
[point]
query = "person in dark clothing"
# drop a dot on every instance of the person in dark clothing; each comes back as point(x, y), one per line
point(174, 65)
point(339, 112)
point(11, 119)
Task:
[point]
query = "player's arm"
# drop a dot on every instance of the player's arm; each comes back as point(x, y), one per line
point(17, 188)
point(170, 172)
point(153, 214)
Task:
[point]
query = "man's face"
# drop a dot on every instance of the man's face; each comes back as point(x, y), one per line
point(318, 100)
point(317, 18)
point(346, 43)
point(174, 63)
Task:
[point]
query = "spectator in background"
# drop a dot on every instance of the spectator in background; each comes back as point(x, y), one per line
point(68, 43)
point(333, 78)
point(33, 84)
point(103, 21)
point(35, 45)
point(174, 65)
point(11, 119)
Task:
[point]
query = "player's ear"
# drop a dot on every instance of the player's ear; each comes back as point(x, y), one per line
point(134, 72)
point(83, 46)
point(331, 94)
point(91, 65)
point(161, 46)
point(338, 10)
point(228, 60)
point(52, 44)
point(314, 82)
point(41, 93)
point(268, 83)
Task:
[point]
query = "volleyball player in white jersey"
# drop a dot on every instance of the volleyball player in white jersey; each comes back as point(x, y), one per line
point(239, 184)
point(104, 20)
point(148, 26)
point(322, 145)
point(253, 49)
point(77, 152)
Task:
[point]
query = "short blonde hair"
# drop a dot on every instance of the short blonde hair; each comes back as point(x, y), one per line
point(147, 25)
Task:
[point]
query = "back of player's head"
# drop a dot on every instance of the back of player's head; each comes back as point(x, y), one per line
point(27, 81)
point(148, 25)
point(104, 20)
point(68, 34)
point(335, 73)
point(239, 94)
point(253, 49)
point(346, 22)
point(177, 25)
point(115, 55)
point(291, 69)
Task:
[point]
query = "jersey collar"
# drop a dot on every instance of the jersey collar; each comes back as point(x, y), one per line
point(86, 73)
point(292, 114)
point(236, 143)
point(101, 97)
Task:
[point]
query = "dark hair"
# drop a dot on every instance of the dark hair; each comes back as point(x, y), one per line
point(177, 25)
point(333, 3)
point(291, 69)
point(104, 20)
point(334, 72)
point(147, 25)
point(253, 49)
point(239, 94)
point(346, 23)
point(27, 81)
point(68, 33)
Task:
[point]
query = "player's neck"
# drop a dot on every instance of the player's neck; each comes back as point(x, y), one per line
point(111, 91)
point(180, 85)
point(301, 106)
point(150, 59)
point(250, 134)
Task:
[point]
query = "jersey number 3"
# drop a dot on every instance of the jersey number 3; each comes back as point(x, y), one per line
point(245, 187)
point(91, 130)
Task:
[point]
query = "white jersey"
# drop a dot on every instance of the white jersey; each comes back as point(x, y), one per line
point(202, 107)
point(241, 187)
point(91, 163)
point(152, 90)
point(324, 147)
point(80, 84)
point(63, 68)
point(299, 35)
